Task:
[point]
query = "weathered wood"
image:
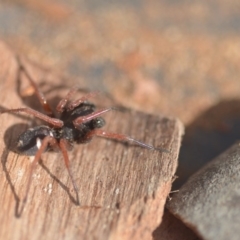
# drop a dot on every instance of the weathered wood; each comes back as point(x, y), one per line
point(209, 201)
point(122, 188)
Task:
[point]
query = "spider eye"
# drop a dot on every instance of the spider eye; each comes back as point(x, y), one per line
point(98, 122)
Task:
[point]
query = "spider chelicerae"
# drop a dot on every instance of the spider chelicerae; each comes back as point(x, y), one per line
point(74, 121)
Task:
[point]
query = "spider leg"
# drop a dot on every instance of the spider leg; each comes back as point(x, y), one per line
point(122, 138)
point(38, 93)
point(90, 116)
point(62, 104)
point(77, 102)
point(49, 140)
point(53, 121)
point(63, 144)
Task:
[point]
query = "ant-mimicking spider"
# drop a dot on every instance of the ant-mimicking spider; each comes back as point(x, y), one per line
point(75, 121)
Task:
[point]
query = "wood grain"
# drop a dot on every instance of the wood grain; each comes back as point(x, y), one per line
point(122, 188)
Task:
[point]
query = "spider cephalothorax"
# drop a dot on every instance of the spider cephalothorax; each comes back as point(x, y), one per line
point(72, 122)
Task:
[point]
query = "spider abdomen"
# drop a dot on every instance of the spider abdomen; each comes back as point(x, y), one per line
point(30, 141)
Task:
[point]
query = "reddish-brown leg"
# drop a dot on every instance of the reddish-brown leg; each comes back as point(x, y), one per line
point(91, 116)
point(63, 144)
point(45, 142)
point(77, 102)
point(53, 121)
point(62, 104)
point(39, 94)
point(122, 138)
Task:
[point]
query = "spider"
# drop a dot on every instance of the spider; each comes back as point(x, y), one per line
point(75, 121)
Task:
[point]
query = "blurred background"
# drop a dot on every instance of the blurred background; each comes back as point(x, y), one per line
point(179, 58)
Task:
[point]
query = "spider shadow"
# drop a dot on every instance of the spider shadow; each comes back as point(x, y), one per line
point(11, 135)
point(61, 184)
point(4, 158)
point(10, 140)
